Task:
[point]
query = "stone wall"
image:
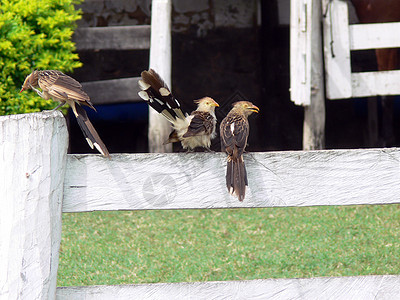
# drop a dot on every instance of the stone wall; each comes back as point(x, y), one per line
point(203, 14)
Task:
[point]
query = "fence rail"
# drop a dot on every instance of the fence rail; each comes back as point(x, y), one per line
point(197, 180)
point(340, 38)
point(359, 287)
point(38, 174)
point(112, 38)
point(113, 90)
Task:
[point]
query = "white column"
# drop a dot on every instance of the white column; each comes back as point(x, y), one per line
point(160, 61)
point(33, 151)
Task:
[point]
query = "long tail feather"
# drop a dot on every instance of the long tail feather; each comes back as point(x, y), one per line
point(236, 177)
point(157, 94)
point(91, 135)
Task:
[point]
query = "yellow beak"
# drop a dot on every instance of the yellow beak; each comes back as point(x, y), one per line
point(254, 109)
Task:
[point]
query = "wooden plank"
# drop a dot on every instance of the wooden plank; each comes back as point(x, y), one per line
point(374, 36)
point(197, 180)
point(113, 90)
point(337, 50)
point(362, 287)
point(112, 38)
point(300, 51)
point(314, 113)
point(160, 60)
point(33, 149)
point(375, 83)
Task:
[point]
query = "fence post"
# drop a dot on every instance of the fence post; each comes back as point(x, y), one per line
point(33, 151)
point(160, 61)
point(314, 114)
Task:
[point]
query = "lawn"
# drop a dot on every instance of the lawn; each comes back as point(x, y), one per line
point(228, 244)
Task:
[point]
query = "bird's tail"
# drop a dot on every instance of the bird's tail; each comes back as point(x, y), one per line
point(91, 135)
point(157, 94)
point(236, 177)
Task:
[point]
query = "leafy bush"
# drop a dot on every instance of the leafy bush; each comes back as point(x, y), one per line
point(34, 34)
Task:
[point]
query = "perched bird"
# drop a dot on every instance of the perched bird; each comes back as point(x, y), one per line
point(194, 130)
point(234, 130)
point(65, 89)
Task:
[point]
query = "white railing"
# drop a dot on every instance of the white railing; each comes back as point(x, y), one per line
point(340, 38)
point(37, 176)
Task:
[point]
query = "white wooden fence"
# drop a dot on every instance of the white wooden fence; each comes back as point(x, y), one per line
point(39, 181)
point(340, 38)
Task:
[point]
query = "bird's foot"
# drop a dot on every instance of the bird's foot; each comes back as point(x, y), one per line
point(209, 150)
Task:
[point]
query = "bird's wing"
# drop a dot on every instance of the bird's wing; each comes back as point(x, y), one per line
point(157, 94)
point(226, 135)
point(234, 132)
point(59, 85)
point(201, 124)
point(241, 132)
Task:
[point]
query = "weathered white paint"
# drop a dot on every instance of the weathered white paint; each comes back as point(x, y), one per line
point(337, 50)
point(362, 287)
point(112, 38)
point(306, 69)
point(340, 82)
point(374, 36)
point(314, 113)
point(33, 159)
point(300, 51)
point(160, 61)
point(375, 83)
point(33, 151)
point(197, 180)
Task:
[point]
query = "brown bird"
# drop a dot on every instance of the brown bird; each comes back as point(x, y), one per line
point(65, 89)
point(194, 130)
point(234, 130)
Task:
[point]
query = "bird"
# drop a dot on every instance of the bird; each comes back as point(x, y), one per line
point(234, 131)
point(194, 130)
point(64, 89)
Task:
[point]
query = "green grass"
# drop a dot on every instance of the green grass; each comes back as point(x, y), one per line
point(228, 244)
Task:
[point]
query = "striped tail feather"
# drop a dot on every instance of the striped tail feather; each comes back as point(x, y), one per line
point(236, 177)
point(89, 132)
point(157, 94)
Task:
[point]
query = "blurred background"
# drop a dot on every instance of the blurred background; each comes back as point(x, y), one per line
point(228, 50)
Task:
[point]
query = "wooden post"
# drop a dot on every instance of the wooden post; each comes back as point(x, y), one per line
point(160, 61)
point(33, 151)
point(314, 114)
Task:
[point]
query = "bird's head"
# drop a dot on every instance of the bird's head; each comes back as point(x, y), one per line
point(246, 107)
point(206, 104)
point(30, 81)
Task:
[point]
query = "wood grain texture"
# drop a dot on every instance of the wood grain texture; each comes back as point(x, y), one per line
point(336, 45)
point(197, 180)
point(375, 83)
point(112, 38)
point(374, 36)
point(160, 61)
point(300, 51)
point(33, 150)
point(363, 287)
point(314, 113)
point(113, 90)
point(340, 38)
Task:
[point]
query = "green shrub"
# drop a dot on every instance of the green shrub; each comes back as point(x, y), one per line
point(34, 34)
